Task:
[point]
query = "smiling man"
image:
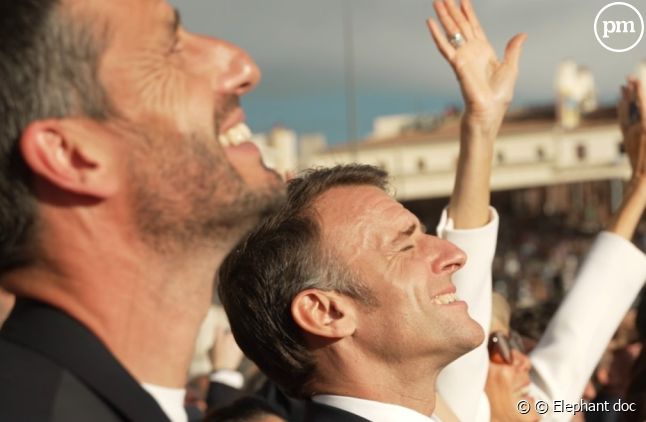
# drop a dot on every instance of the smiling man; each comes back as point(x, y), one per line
point(342, 299)
point(125, 179)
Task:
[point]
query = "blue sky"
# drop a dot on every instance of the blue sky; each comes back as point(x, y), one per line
point(298, 44)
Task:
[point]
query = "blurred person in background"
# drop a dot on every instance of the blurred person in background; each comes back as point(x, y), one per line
point(636, 392)
point(615, 368)
point(125, 179)
point(508, 377)
point(246, 409)
point(610, 278)
point(223, 384)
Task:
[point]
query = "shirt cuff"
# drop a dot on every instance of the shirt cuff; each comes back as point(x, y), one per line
point(446, 224)
point(233, 379)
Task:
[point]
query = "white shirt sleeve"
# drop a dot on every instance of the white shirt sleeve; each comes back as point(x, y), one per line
point(607, 283)
point(461, 384)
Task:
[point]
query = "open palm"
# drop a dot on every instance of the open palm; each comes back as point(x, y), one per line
point(487, 83)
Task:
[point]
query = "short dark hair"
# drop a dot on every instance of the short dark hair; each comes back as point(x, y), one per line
point(280, 258)
point(245, 409)
point(48, 69)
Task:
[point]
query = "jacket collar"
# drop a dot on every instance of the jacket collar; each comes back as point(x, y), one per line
point(54, 334)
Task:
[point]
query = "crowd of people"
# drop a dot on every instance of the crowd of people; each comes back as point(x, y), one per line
point(130, 196)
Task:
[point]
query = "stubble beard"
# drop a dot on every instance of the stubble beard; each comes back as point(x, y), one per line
point(187, 196)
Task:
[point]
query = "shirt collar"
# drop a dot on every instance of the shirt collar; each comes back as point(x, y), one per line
point(373, 410)
point(171, 400)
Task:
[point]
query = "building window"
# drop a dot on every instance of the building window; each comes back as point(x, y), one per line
point(421, 165)
point(581, 152)
point(540, 154)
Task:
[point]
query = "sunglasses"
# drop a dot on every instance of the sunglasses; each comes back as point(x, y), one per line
point(501, 345)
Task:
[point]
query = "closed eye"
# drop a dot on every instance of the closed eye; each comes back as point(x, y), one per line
point(406, 248)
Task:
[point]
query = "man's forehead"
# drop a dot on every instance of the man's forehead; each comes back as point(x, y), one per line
point(114, 11)
point(354, 206)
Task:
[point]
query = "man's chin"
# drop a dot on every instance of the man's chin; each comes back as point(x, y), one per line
point(473, 336)
point(257, 203)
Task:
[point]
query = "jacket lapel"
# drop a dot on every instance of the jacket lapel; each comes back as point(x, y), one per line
point(54, 334)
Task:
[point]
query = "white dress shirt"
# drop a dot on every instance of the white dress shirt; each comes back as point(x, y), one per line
point(373, 410)
point(229, 377)
point(461, 383)
point(171, 400)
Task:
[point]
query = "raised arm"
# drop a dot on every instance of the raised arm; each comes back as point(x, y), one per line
point(487, 85)
point(633, 129)
point(606, 285)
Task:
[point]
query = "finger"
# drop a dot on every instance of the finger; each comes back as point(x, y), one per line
point(640, 99)
point(442, 44)
point(450, 27)
point(467, 9)
point(622, 107)
point(632, 89)
point(459, 18)
point(514, 49)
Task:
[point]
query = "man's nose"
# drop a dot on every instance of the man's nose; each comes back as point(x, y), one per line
point(235, 72)
point(447, 258)
point(244, 74)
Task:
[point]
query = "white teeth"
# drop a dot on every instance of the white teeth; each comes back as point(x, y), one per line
point(445, 299)
point(235, 136)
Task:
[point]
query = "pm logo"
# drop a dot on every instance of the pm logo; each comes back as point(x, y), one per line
point(619, 27)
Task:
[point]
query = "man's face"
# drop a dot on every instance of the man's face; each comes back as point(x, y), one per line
point(179, 121)
point(408, 271)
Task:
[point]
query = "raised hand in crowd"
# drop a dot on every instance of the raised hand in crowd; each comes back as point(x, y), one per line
point(487, 85)
point(632, 121)
point(606, 285)
point(225, 354)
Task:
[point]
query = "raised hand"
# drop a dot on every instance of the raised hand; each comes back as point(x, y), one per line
point(632, 120)
point(225, 353)
point(487, 83)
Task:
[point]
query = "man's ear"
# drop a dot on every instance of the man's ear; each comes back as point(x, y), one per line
point(324, 313)
point(70, 156)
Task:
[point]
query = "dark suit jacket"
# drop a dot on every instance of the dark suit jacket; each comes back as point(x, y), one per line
point(52, 368)
point(221, 395)
point(316, 412)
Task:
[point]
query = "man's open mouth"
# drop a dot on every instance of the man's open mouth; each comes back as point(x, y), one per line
point(445, 299)
point(235, 136)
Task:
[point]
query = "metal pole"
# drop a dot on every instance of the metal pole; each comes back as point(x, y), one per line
point(350, 89)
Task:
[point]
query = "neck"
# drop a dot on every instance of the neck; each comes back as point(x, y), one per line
point(410, 385)
point(146, 309)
